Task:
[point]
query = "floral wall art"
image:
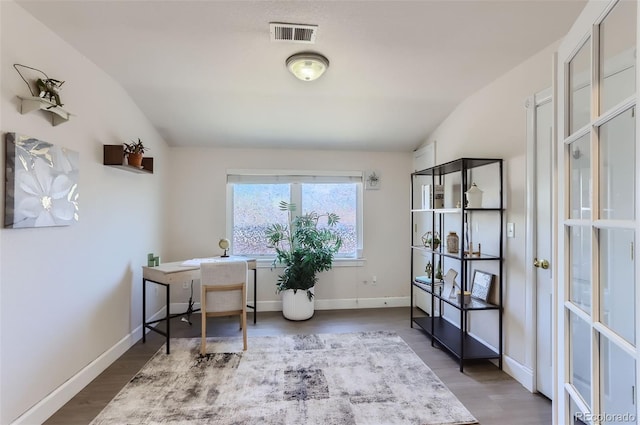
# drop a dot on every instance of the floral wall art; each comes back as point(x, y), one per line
point(41, 183)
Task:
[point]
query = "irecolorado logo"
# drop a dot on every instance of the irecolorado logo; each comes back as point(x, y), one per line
point(606, 417)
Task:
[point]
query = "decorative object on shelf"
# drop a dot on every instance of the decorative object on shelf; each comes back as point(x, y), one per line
point(465, 298)
point(471, 252)
point(438, 275)
point(467, 236)
point(431, 240)
point(305, 249)
point(429, 270)
point(432, 196)
point(224, 244)
point(372, 180)
point(134, 152)
point(41, 183)
point(481, 285)
point(450, 282)
point(453, 243)
point(45, 95)
point(47, 88)
point(474, 196)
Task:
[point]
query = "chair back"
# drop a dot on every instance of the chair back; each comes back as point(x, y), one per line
point(219, 275)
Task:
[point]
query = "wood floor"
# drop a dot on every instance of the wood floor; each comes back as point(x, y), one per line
point(492, 396)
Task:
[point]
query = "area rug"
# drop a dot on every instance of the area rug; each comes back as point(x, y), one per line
point(356, 378)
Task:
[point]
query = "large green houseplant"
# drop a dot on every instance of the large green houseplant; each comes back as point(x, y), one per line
point(303, 248)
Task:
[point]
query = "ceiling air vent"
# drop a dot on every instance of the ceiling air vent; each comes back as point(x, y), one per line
point(293, 33)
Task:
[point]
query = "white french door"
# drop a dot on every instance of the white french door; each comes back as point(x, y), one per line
point(598, 302)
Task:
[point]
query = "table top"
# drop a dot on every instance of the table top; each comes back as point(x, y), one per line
point(194, 264)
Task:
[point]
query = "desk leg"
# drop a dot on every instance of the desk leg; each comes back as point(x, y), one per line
point(144, 310)
point(168, 318)
point(255, 295)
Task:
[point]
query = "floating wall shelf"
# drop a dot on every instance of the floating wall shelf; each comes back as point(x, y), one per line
point(114, 157)
point(30, 104)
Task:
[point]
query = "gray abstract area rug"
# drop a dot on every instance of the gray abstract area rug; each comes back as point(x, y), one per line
point(356, 378)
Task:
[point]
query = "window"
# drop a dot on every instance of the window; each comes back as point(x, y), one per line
point(254, 198)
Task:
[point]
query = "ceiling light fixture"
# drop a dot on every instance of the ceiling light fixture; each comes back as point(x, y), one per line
point(307, 66)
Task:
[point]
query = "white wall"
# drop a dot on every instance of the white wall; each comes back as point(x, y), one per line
point(68, 294)
point(492, 123)
point(196, 218)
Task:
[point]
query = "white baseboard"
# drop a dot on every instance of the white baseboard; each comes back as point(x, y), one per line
point(342, 304)
point(49, 405)
point(519, 372)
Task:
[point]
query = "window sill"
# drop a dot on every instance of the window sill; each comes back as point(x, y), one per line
point(267, 263)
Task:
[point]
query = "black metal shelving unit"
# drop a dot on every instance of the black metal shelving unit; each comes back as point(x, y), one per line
point(457, 339)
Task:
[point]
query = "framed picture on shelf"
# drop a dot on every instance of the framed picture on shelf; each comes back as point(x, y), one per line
point(450, 283)
point(481, 285)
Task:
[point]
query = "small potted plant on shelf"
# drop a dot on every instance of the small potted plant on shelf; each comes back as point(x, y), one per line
point(134, 152)
point(431, 240)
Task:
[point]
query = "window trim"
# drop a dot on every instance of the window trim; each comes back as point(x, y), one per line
point(295, 177)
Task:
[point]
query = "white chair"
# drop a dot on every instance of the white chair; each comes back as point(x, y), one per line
point(223, 293)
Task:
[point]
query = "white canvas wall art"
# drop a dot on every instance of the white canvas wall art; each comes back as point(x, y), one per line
point(41, 183)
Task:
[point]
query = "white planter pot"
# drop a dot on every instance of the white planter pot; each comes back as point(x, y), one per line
point(297, 306)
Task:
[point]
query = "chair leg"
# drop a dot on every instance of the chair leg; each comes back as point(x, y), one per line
point(243, 317)
point(203, 314)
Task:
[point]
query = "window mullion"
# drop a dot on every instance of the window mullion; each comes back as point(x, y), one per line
point(296, 197)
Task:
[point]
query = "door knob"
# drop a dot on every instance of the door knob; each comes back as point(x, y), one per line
point(541, 263)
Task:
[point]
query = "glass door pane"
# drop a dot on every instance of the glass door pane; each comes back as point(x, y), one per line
point(617, 282)
point(617, 384)
point(580, 349)
point(617, 167)
point(580, 86)
point(617, 55)
point(580, 272)
point(580, 178)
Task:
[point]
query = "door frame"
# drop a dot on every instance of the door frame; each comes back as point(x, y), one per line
point(592, 14)
point(531, 320)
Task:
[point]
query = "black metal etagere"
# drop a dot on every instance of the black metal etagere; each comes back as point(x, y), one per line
point(457, 339)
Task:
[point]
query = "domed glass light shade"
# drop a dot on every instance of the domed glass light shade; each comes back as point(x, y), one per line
point(307, 66)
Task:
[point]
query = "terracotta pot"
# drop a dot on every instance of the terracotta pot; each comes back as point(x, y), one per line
point(134, 159)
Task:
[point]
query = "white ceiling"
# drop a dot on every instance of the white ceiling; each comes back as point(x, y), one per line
point(207, 74)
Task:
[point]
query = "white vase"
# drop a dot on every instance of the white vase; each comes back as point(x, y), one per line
point(297, 306)
point(474, 197)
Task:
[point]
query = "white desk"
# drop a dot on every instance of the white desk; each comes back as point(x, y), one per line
point(167, 274)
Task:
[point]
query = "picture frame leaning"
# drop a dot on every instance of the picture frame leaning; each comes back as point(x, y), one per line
point(481, 285)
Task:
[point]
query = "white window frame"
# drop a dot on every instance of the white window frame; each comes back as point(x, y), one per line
point(295, 178)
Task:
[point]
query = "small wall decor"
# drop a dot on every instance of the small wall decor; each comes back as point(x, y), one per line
point(481, 285)
point(41, 183)
point(46, 88)
point(45, 94)
point(372, 180)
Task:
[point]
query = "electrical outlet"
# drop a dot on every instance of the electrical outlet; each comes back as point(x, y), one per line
point(185, 285)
